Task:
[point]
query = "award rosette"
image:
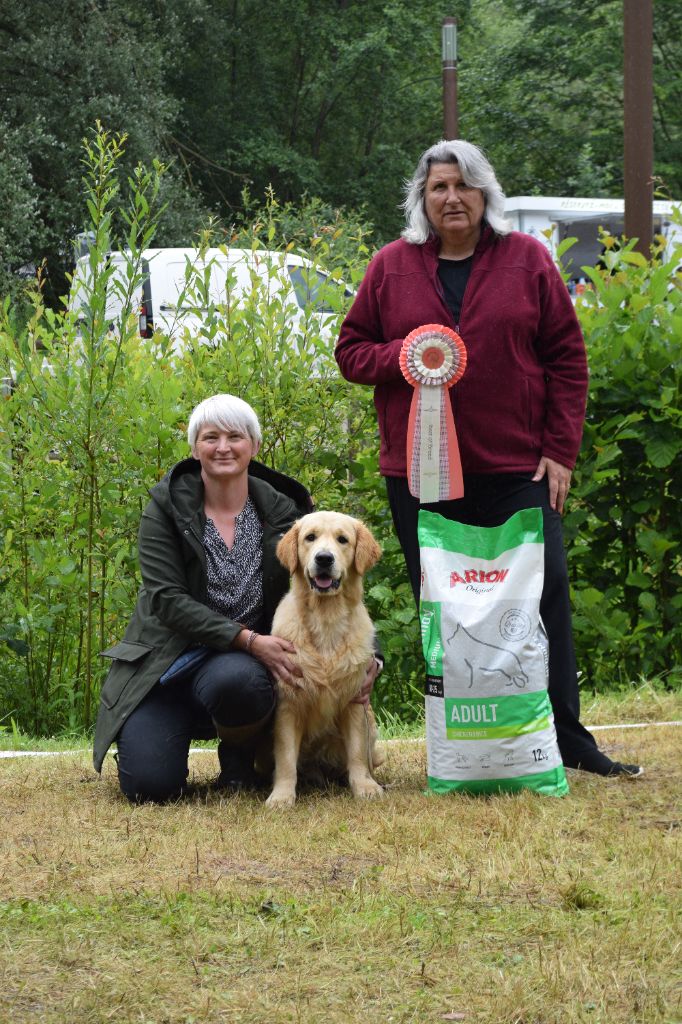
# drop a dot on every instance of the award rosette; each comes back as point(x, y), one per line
point(432, 359)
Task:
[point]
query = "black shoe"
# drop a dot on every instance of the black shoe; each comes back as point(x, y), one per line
point(627, 771)
point(596, 763)
point(237, 772)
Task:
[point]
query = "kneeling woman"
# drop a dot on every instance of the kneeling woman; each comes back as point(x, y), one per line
point(197, 659)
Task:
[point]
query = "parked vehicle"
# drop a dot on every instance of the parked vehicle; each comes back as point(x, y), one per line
point(180, 287)
point(551, 219)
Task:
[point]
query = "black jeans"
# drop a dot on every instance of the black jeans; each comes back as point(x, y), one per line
point(489, 500)
point(232, 689)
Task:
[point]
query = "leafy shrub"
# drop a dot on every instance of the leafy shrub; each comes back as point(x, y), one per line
point(97, 414)
point(624, 525)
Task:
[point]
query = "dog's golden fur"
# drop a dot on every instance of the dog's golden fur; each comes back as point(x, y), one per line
point(323, 615)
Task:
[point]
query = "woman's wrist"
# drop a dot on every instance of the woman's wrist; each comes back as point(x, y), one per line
point(250, 640)
point(245, 640)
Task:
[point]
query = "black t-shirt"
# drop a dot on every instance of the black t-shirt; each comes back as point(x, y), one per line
point(454, 275)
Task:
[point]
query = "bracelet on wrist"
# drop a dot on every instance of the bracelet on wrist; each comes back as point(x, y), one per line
point(249, 641)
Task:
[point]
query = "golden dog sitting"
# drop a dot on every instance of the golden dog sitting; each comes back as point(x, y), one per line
point(323, 615)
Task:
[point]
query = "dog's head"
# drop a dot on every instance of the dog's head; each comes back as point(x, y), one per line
point(327, 548)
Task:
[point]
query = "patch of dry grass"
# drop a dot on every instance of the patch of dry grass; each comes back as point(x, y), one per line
point(643, 703)
point(505, 910)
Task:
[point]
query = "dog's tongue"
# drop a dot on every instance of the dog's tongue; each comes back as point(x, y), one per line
point(323, 582)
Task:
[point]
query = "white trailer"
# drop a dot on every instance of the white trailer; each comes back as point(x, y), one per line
point(566, 217)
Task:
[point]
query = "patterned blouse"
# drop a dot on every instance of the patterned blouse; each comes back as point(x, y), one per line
point(235, 575)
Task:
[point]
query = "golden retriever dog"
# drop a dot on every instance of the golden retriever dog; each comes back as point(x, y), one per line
point(323, 615)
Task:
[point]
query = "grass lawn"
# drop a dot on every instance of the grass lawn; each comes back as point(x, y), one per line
point(505, 910)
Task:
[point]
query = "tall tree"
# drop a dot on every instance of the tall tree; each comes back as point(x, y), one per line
point(542, 89)
point(63, 67)
point(333, 98)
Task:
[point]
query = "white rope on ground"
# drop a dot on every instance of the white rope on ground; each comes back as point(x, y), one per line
point(411, 739)
point(630, 725)
point(41, 753)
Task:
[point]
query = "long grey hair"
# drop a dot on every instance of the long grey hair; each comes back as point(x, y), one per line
point(476, 171)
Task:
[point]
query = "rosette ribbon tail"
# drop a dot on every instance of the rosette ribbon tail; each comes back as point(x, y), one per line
point(433, 459)
point(433, 359)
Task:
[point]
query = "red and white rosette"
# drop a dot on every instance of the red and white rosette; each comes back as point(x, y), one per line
point(432, 359)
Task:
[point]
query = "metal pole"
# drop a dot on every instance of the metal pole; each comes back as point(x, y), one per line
point(638, 134)
point(449, 40)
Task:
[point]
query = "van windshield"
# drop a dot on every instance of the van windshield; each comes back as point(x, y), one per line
point(313, 288)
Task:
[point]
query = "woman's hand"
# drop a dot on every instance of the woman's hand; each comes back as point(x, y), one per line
point(273, 652)
point(559, 480)
point(371, 672)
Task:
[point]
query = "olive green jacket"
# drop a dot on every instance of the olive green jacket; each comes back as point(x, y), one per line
point(171, 612)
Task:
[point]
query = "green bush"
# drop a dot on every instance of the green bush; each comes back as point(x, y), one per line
point(624, 527)
point(69, 500)
point(97, 414)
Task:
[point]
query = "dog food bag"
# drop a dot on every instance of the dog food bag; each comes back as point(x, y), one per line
point(489, 721)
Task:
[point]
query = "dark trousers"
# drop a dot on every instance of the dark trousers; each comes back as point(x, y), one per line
point(231, 689)
point(490, 500)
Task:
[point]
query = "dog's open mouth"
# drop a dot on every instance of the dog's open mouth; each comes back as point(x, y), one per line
point(323, 583)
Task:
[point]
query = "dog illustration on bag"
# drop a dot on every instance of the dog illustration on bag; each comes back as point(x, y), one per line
point(484, 661)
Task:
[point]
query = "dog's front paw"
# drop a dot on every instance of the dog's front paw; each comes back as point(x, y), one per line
point(366, 789)
point(281, 798)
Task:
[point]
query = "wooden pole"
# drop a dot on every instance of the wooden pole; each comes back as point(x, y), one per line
point(638, 134)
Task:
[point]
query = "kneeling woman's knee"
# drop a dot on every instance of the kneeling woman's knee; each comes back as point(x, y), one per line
point(142, 783)
point(236, 689)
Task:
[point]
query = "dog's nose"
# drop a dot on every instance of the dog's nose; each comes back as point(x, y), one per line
point(324, 559)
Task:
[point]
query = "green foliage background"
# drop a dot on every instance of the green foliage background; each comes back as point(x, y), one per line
point(624, 526)
point(96, 416)
point(333, 99)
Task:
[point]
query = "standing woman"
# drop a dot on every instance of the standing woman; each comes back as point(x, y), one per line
point(520, 406)
point(197, 659)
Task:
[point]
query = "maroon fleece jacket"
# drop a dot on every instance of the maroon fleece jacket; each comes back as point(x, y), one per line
point(524, 390)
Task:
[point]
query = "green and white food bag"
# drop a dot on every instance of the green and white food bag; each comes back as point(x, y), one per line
point(489, 721)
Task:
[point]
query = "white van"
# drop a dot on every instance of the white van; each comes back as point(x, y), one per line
point(179, 287)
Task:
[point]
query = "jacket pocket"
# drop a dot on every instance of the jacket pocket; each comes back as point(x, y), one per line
point(127, 657)
point(126, 650)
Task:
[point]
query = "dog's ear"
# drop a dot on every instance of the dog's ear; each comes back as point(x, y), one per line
point(287, 549)
point(367, 551)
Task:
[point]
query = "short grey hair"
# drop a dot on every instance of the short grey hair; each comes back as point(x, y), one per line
point(227, 412)
point(476, 170)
